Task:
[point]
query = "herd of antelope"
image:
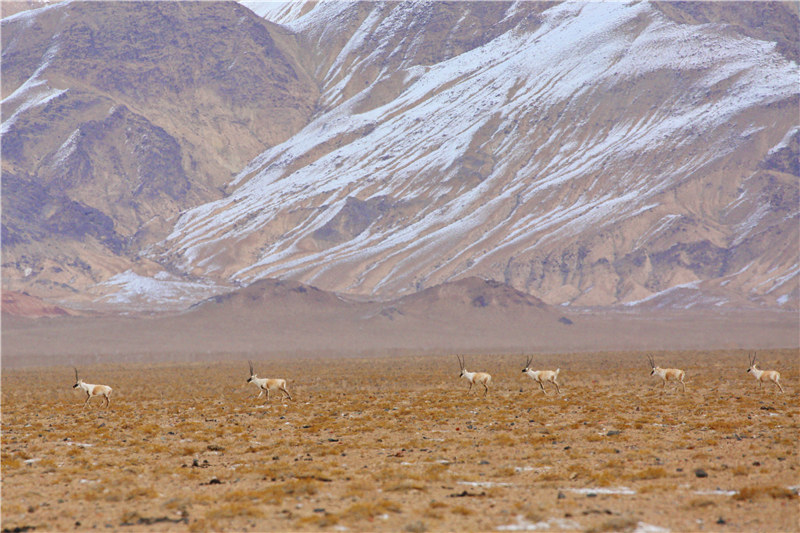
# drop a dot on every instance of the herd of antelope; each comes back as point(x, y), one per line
point(481, 378)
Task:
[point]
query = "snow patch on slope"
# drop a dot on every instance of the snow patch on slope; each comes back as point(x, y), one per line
point(33, 93)
point(413, 147)
point(165, 291)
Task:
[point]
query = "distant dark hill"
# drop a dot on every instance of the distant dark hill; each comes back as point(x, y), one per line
point(275, 297)
point(22, 304)
point(448, 302)
point(472, 292)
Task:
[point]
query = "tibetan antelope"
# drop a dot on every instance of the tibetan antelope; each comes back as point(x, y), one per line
point(764, 375)
point(474, 377)
point(539, 376)
point(92, 390)
point(265, 384)
point(666, 373)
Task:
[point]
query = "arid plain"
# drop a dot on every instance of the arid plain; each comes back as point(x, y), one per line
point(398, 444)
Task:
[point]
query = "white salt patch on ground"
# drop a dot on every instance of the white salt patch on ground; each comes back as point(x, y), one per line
point(716, 492)
point(545, 525)
point(485, 484)
point(602, 490)
point(643, 527)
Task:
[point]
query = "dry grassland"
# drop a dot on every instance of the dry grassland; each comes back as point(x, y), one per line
point(397, 445)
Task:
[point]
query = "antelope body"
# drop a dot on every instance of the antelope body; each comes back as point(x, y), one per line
point(764, 375)
point(266, 384)
point(667, 373)
point(474, 377)
point(540, 376)
point(92, 390)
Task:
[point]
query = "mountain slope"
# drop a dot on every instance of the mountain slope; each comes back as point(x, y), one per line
point(591, 154)
point(586, 154)
point(117, 116)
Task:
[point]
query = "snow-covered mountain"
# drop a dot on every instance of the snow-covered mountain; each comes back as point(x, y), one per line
point(584, 153)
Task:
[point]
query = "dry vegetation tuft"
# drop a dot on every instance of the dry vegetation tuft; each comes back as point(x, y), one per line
point(399, 445)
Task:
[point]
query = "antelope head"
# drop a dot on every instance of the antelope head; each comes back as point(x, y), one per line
point(652, 365)
point(753, 362)
point(527, 365)
point(461, 366)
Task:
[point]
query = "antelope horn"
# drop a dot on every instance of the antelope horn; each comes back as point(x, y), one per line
point(76, 373)
point(528, 364)
point(251, 366)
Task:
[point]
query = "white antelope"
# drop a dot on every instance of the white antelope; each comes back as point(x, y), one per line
point(92, 390)
point(265, 384)
point(667, 373)
point(764, 375)
point(474, 377)
point(539, 376)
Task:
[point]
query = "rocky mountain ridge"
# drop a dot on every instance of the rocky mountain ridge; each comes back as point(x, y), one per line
point(117, 116)
point(584, 154)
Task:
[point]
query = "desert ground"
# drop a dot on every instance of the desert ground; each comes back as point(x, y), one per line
point(399, 444)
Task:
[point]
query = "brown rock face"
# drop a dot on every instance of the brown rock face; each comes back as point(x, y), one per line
point(119, 115)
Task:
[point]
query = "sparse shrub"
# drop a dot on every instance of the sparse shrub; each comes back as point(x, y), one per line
point(323, 520)
point(660, 487)
point(740, 470)
point(10, 463)
point(605, 478)
point(369, 509)
point(416, 527)
point(701, 502)
point(724, 424)
point(200, 526)
point(94, 493)
point(461, 510)
point(141, 493)
point(188, 450)
point(504, 439)
point(651, 472)
point(759, 492)
point(435, 472)
point(405, 486)
point(234, 509)
point(505, 471)
point(550, 475)
point(619, 524)
point(300, 487)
